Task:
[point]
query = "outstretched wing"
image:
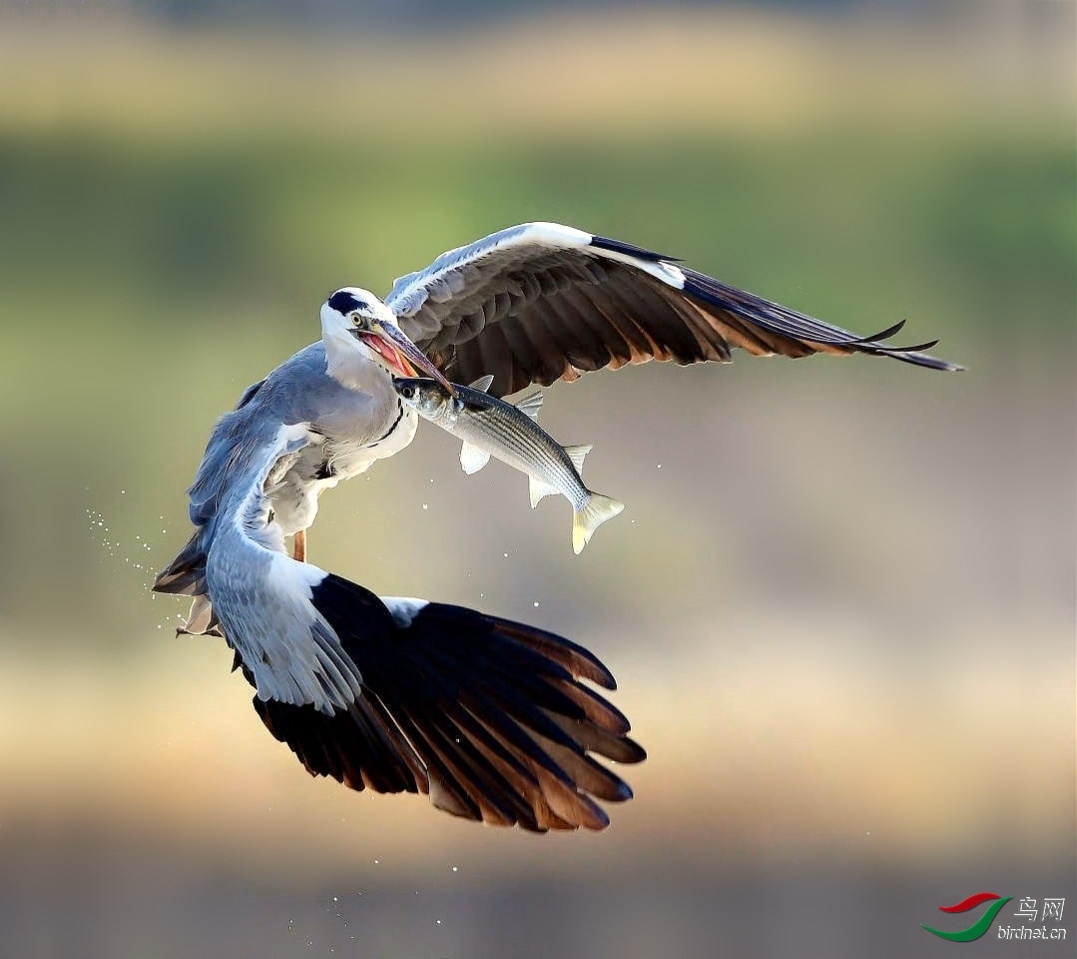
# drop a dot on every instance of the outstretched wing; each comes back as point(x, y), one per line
point(541, 302)
point(488, 716)
point(491, 718)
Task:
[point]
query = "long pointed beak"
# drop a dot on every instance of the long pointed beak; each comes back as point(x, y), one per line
point(402, 355)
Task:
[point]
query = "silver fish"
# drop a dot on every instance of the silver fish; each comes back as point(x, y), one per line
point(488, 426)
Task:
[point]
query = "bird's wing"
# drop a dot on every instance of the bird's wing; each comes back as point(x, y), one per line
point(540, 302)
point(260, 596)
point(491, 718)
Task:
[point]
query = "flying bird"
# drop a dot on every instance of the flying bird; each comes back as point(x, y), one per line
point(495, 720)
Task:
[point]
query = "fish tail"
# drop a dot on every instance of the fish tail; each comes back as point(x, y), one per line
point(595, 512)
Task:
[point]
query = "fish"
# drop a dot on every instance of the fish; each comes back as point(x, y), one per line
point(488, 426)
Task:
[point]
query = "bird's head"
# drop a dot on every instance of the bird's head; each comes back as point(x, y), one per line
point(356, 322)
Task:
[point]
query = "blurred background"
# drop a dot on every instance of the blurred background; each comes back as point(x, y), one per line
point(840, 603)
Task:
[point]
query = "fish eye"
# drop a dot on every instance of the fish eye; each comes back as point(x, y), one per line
point(407, 392)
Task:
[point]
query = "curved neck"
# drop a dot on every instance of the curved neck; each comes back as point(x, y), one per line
point(349, 362)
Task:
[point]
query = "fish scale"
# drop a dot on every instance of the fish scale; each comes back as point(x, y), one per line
point(512, 439)
point(495, 428)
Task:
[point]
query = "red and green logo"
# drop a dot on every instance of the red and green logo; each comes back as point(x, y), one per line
point(980, 926)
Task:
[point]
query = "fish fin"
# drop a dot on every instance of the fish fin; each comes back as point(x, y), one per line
point(483, 382)
point(473, 459)
point(577, 455)
point(530, 405)
point(599, 508)
point(539, 489)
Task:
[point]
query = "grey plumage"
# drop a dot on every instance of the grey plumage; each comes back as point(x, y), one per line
point(343, 431)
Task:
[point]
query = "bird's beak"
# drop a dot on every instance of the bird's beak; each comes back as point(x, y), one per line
point(400, 354)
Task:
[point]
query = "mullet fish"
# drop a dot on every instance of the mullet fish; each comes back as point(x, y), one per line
point(488, 426)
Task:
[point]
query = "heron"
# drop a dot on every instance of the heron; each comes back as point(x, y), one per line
point(495, 720)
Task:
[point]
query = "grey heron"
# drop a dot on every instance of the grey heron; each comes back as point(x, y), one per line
point(491, 718)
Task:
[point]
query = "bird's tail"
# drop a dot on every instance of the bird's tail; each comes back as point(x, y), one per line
point(186, 576)
point(490, 717)
point(595, 512)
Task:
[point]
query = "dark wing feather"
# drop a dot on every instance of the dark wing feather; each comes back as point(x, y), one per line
point(488, 716)
point(542, 302)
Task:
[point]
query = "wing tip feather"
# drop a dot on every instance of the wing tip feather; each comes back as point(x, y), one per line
point(491, 718)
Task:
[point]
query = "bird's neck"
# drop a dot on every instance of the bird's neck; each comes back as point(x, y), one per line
point(348, 363)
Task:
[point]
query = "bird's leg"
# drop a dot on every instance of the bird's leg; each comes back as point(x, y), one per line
point(299, 546)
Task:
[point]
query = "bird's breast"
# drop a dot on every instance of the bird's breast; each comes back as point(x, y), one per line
point(348, 456)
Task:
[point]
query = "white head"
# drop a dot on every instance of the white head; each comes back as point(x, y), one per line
point(359, 329)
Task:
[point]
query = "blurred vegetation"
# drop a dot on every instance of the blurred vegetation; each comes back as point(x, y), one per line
point(204, 263)
point(157, 236)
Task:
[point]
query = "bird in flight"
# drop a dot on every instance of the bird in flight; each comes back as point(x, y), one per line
point(495, 720)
